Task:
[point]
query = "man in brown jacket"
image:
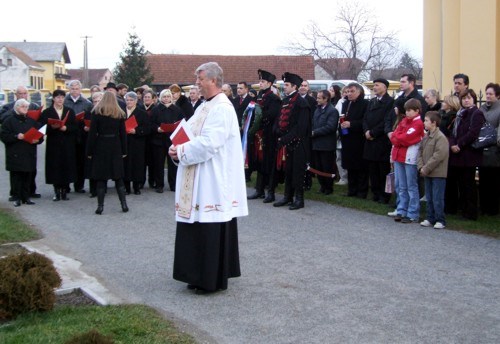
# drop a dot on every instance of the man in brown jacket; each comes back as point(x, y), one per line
point(433, 157)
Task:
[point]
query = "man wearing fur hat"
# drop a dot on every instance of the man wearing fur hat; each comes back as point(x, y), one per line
point(261, 139)
point(293, 128)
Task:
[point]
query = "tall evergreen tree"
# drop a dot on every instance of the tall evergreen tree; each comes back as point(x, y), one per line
point(133, 68)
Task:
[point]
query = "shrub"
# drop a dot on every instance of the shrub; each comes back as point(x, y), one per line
point(90, 337)
point(27, 282)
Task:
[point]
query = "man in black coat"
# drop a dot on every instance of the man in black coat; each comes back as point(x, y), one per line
point(409, 91)
point(293, 128)
point(377, 147)
point(353, 140)
point(304, 93)
point(242, 100)
point(78, 103)
point(264, 140)
point(194, 97)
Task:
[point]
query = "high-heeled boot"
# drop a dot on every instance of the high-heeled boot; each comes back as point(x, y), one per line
point(121, 195)
point(101, 192)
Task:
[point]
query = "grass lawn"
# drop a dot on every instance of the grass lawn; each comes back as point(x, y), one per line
point(485, 225)
point(14, 230)
point(124, 324)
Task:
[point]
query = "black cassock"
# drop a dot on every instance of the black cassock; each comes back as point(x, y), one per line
point(206, 254)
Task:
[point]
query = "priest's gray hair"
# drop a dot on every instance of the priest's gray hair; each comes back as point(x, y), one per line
point(212, 71)
point(20, 102)
point(131, 95)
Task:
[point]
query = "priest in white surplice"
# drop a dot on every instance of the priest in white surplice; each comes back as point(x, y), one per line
point(210, 190)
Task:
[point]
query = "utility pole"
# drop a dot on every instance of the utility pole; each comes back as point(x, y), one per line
point(85, 75)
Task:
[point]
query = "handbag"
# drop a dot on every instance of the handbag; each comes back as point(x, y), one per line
point(487, 137)
point(389, 183)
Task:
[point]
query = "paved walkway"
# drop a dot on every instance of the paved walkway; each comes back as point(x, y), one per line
point(320, 274)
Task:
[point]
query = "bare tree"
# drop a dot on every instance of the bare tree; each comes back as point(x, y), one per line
point(354, 46)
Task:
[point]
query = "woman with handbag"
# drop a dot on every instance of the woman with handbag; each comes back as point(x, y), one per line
point(461, 182)
point(489, 183)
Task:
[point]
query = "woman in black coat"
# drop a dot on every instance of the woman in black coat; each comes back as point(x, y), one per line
point(181, 101)
point(324, 139)
point(20, 155)
point(60, 154)
point(136, 142)
point(163, 113)
point(353, 140)
point(106, 148)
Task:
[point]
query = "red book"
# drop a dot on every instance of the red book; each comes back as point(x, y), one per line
point(169, 127)
point(80, 116)
point(182, 133)
point(35, 114)
point(180, 138)
point(87, 122)
point(57, 122)
point(31, 135)
point(131, 123)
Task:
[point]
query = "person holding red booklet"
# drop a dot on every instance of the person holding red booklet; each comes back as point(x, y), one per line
point(166, 112)
point(138, 127)
point(20, 155)
point(60, 155)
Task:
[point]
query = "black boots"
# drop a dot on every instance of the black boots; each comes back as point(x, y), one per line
point(121, 195)
point(257, 194)
point(101, 192)
point(270, 197)
point(57, 194)
point(287, 198)
point(299, 200)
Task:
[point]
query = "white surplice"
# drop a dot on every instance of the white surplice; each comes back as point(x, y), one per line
point(219, 191)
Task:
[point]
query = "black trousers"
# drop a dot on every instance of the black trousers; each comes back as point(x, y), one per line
point(357, 182)
point(378, 171)
point(149, 165)
point(324, 161)
point(80, 157)
point(32, 183)
point(159, 154)
point(21, 183)
point(489, 190)
point(461, 192)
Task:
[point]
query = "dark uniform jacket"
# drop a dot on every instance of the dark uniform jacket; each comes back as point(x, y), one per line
point(379, 148)
point(20, 156)
point(106, 145)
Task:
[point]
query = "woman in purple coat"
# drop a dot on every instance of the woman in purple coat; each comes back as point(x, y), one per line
point(461, 182)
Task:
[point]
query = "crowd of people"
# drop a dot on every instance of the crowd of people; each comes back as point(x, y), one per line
point(123, 135)
point(334, 135)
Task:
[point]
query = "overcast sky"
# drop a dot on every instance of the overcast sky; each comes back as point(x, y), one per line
point(222, 27)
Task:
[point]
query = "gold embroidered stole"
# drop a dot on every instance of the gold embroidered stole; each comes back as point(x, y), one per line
point(187, 182)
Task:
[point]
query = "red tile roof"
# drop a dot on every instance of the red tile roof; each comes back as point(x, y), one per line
point(27, 60)
point(172, 68)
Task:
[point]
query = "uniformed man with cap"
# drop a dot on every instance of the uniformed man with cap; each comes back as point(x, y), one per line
point(293, 128)
point(261, 139)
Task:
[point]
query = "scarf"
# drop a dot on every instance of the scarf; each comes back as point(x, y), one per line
point(185, 205)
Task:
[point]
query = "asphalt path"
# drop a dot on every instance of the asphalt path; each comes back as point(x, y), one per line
point(322, 274)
